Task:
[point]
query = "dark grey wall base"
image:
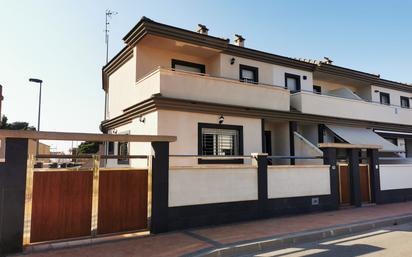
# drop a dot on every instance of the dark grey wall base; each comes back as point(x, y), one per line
point(211, 214)
point(222, 213)
point(299, 205)
point(395, 196)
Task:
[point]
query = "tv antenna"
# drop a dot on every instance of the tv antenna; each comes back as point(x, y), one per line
point(109, 15)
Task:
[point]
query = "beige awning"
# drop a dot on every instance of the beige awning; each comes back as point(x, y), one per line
point(363, 136)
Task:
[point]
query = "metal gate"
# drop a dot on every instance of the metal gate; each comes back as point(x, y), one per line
point(75, 203)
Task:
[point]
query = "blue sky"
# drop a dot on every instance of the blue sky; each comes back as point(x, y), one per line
point(62, 42)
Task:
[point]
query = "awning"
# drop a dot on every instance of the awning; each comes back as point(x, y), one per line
point(363, 136)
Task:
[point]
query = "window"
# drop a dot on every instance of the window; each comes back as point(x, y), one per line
point(248, 74)
point(220, 140)
point(110, 148)
point(385, 99)
point(317, 90)
point(292, 82)
point(405, 102)
point(188, 66)
point(123, 150)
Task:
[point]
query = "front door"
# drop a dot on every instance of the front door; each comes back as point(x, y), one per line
point(365, 183)
point(268, 142)
point(344, 185)
point(268, 145)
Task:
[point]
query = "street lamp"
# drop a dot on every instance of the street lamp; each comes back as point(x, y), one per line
point(38, 81)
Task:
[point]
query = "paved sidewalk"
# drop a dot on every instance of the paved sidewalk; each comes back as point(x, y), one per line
point(195, 241)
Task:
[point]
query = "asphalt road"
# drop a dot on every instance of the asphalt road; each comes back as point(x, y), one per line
point(391, 241)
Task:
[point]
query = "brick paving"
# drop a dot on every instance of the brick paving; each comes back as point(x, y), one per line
point(195, 240)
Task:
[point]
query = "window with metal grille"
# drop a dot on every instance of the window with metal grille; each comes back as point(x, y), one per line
point(220, 140)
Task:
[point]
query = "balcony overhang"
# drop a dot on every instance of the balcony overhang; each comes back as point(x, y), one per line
point(159, 102)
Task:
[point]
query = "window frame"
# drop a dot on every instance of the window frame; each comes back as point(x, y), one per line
point(318, 88)
point(199, 66)
point(293, 76)
point(200, 126)
point(407, 99)
point(110, 148)
point(125, 161)
point(255, 71)
point(382, 94)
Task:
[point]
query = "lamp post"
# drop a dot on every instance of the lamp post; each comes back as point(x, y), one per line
point(38, 81)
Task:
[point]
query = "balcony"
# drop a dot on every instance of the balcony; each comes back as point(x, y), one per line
point(310, 103)
point(204, 88)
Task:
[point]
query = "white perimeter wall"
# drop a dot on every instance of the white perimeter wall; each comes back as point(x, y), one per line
point(395, 176)
point(293, 181)
point(203, 185)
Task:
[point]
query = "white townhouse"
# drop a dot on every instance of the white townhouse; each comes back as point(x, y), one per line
point(224, 99)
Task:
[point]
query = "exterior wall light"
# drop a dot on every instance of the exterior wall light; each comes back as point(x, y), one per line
point(232, 61)
point(142, 119)
point(221, 119)
point(376, 91)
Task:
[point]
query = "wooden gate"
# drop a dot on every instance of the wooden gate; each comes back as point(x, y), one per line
point(344, 185)
point(365, 183)
point(122, 201)
point(62, 205)
point(62, 202)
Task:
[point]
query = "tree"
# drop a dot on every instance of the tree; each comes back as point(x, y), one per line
point(88, 148)
point(17, 125)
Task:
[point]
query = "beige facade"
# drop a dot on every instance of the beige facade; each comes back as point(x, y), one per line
point(350, 109)
point(144, 71)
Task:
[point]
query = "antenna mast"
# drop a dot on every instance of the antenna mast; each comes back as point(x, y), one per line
point(109, 14)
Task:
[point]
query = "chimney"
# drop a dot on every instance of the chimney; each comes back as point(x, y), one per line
point(202, 29)
point(327, 60)
point(239, 40)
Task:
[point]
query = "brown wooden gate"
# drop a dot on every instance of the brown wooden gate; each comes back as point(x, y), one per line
point(62, 203)
point(365, 183)
point(122, 201)
point(344, 185)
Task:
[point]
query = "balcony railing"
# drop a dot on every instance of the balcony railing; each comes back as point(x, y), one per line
point(311, 103)
point(205, 88)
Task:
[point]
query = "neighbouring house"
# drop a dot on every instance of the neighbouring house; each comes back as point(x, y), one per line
point(224, 99)
point(44, 149)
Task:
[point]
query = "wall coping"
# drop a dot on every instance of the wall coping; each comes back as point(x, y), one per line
point(69, 136)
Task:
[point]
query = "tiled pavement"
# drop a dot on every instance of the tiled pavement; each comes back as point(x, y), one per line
point(195, 240)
